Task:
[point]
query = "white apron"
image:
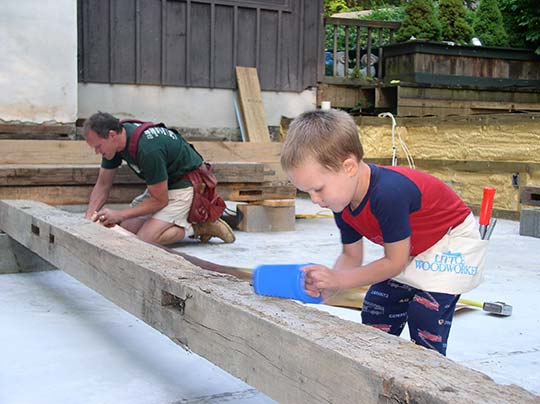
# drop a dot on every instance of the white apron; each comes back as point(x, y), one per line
point(454, 265)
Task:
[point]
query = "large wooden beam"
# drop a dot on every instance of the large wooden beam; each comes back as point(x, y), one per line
point(78, 152)
point(70, 195)
point(30, 131)
point(65, 174)
point(124, 193)
point(64, 184)
point(293, 353)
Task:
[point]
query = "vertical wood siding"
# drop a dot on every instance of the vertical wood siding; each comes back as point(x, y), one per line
point(192, 43)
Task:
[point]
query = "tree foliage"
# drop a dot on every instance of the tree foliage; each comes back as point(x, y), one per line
point(453, 18)
point(495, 22)
point(488, 24)
point(335, 6)
point(420, 22)
point(522, 22)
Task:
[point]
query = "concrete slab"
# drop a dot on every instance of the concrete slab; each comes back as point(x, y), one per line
point(61, 342)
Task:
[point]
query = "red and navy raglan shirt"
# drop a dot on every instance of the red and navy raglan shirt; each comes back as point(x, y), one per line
point(402, 202)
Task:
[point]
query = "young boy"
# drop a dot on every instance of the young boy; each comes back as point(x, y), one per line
point(404, 210)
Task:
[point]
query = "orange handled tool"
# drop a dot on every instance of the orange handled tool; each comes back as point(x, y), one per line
point(485, 211)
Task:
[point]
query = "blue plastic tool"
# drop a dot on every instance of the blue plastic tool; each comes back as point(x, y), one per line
point(282, 281)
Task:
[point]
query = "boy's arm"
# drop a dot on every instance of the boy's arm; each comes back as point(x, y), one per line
point(396, 258)
point(351, 256)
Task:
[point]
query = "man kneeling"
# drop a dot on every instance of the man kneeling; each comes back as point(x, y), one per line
point(162, 158)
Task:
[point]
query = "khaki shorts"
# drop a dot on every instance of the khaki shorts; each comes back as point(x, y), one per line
point(176, 211)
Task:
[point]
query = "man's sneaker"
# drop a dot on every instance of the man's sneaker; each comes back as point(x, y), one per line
point(219, 228)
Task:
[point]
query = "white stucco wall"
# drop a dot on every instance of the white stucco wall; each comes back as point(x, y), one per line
point(38, 63)
point(185, 107)
point(38, 79)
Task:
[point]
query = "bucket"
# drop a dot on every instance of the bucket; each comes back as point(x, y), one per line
point(282, 281)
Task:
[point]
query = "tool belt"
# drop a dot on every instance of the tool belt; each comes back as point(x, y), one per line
point(207, 205)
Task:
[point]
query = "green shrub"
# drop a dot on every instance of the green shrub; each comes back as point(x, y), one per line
point(488, 24)
point(420, 21)
point(453, 18)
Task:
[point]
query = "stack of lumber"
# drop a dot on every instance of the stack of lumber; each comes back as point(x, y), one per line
point(63, 172)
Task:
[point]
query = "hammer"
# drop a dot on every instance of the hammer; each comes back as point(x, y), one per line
point(498, 308)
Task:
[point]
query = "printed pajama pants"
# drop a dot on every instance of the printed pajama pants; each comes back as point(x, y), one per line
point(389, 305)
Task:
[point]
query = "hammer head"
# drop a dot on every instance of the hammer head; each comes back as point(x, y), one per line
point(499, 308)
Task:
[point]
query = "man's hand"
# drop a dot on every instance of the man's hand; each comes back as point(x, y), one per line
point(108, 217)
point(321, 281)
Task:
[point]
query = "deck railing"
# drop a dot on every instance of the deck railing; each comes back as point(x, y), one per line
point(357, 34)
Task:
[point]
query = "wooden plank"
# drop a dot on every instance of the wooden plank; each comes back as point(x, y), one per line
point(260, 218)
point(279, 202)
point(291, 352)
point(361, 23)
point(12, 175)
point(78, 152)
point(467, 106)
point(38, 136)
point(256, 192)
point(69, 195)
point(45, 129)
point(339, 96)
point(251, 105)
point(47, 152)
point(124, 193)
point(40, 132)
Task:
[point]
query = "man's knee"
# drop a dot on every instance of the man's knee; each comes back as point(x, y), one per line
point(170, 235)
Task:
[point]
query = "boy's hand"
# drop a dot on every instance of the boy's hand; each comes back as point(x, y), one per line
point(321, 281)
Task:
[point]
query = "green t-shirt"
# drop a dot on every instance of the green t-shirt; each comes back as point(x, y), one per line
point(162, 155)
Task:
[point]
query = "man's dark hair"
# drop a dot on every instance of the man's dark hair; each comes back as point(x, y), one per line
point(101, 123)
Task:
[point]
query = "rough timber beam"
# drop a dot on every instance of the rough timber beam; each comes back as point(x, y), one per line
point(293, 353)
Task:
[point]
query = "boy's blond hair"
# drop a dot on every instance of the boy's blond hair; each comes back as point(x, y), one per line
point(327, 137)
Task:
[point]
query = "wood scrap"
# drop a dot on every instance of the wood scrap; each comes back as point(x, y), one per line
point(251, 105)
